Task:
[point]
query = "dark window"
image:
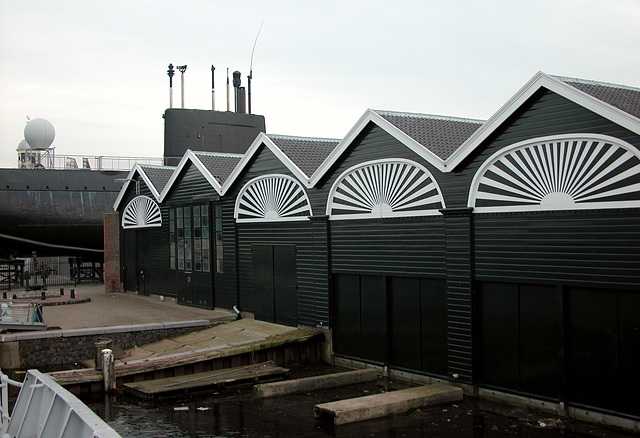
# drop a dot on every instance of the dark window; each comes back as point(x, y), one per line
point(189, 238)
point(218, 237)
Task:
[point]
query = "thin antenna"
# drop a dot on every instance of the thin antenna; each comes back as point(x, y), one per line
point(251, 64)
point(213, 89)
point(227, 88)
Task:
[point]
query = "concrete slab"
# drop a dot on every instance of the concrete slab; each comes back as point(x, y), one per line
point(381, 405)
point(314, 383)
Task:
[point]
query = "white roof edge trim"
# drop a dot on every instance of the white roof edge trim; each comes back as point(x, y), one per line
point(136, 168)
point(540, 80)
point(151, 186)
point(371, 115)
point(205, 172)
point(189, 156)
point(334, 187)
point(263, 138)
point(174, 176)
point(217, 154)
point(246, 157)
point(124, 188)
point(261, 177)
point(473, 187)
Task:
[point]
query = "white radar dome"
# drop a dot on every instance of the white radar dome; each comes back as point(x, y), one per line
point(23, 146)
point(39, 133)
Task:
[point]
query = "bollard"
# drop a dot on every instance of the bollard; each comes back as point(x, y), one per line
point(62, 291)
point(102, 344)
point(73, 293)
point(108, 370)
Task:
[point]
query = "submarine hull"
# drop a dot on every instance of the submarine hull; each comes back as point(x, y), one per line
point(55, 212)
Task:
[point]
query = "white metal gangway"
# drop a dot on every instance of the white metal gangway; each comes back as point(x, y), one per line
point(45, 409)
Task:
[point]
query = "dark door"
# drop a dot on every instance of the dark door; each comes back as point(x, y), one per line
point(142, 260)
point(275, 283)
point(187, 295)
point(129, 267)
point(360, 317)
point(285, 285)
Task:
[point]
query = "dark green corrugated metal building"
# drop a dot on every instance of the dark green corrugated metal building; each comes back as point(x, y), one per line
point(503, 255)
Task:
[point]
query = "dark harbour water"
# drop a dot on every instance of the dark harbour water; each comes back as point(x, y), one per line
point(236, 413)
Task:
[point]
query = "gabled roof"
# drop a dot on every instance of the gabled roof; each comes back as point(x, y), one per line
point(306, 152)
point(432, 137)
point(624, 98)
point(214, 166)
point(301, 155)
point(617, 103)
point(155, 177)
point(440, 135)
point(158, 175)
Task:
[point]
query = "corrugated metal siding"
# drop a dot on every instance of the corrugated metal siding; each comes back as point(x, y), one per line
point(225, 283)
point(404, 246)
point(582, 247)
point(459, 297)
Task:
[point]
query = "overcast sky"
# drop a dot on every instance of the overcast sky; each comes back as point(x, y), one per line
point(97, 70)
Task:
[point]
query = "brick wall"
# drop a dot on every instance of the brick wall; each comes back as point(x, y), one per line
point(112, 282)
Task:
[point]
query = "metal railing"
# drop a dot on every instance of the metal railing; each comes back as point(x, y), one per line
point(48, 159)
point(46, 409)
point(5, 381)
point(20, 312)
point(43, 272)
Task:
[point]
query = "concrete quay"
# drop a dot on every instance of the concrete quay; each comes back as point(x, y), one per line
point(93, 315)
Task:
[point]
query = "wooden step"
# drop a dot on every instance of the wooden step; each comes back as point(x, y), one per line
point(218, 379)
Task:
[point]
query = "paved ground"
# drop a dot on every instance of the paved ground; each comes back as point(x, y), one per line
point(111, 309)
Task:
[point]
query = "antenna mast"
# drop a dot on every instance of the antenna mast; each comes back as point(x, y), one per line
point(251, 65)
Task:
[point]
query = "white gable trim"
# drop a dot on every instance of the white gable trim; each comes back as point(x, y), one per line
point(130, 178)
point(263, 139)
point(557, 172)
point(286, 199)
point(141, 212)
point(189, 156)
point(392, 181)
point(540, 80)
point(371, 116)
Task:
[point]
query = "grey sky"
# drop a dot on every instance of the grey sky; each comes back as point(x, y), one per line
point(97, 70)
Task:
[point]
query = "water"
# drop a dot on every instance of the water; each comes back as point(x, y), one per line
point(236, 413)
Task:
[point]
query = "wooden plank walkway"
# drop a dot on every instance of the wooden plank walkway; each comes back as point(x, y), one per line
point(388, 403)
point(179, 385)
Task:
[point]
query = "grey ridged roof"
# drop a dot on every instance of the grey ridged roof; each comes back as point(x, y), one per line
point(220, 165)
point(439, 134)
point(622, 97)
point(305, 152)
point(159, 175)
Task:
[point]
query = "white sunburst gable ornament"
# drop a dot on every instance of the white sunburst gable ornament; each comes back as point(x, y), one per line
point(383, 189)
point(272, 198)
point(141, 212)
point(571, 172)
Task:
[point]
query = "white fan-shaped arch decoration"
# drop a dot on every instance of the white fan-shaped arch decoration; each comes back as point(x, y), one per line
point(272, 198)
point(141, 212)
point(384, 188)
point(559, 173)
